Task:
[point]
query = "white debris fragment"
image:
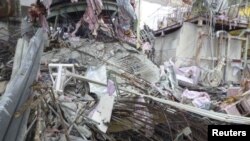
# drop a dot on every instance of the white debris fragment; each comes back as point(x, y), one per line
point(198, 99)
point(98, 74)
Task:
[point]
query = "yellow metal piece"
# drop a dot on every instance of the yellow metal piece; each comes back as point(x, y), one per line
point(245, 11)
point(235, 32)
point(231, 100)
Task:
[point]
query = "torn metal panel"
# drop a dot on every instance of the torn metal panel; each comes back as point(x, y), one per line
point(59, 8)
point(91, 15)
point(18, 89)
point(102, 114)
point(21, 51)
point(126, 14)
point(98, 74)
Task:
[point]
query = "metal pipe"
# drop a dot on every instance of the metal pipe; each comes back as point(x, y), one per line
point(205, 113)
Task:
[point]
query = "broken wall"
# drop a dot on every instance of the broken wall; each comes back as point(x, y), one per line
point(165, 47)
point(192, 45)
point(180, 45)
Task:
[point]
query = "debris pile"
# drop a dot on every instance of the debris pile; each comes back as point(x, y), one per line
point(92, 90)
point(98, 87)
point(6, 55)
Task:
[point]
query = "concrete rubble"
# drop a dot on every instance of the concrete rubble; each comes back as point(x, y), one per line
point(87, 80)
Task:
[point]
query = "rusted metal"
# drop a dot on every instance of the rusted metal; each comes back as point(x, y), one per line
point(7, 8)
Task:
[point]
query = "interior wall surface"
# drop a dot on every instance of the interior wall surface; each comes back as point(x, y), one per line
point(165, 47)
point(193, 45)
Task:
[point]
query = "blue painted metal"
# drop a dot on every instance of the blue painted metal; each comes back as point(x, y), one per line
point(19, 90)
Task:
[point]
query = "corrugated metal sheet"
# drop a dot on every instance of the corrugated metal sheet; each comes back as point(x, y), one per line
point(19, 90)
